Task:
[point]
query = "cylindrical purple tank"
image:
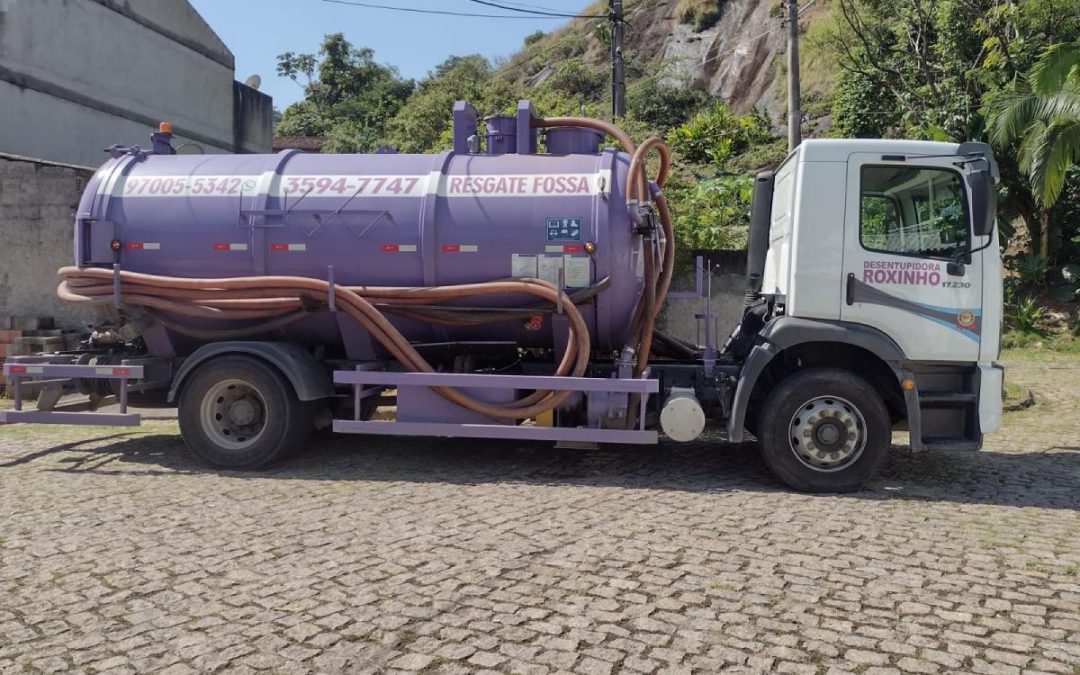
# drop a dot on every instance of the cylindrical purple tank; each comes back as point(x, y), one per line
point(381, 220)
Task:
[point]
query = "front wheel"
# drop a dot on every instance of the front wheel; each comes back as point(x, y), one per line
point(824, 430)
point(238, 412)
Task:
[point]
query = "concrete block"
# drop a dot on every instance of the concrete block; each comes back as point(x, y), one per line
point(20, 347)
point(31, 323)
point(25, 346)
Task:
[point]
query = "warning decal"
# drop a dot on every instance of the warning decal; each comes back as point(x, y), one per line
point(523, 265)
point(564, 229)
point(576, 269)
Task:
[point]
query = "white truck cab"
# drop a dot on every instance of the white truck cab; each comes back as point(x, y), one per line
point(881, 260)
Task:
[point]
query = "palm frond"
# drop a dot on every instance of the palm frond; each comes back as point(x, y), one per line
point(1012, 114)
point(1056, 66)
point(1056, 148)
point(1029, 144)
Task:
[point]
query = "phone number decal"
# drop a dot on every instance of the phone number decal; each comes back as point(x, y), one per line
point(354, 185)
point(169, 186)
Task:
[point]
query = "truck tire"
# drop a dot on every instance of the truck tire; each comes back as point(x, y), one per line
point(239, 412)
point(824, 430)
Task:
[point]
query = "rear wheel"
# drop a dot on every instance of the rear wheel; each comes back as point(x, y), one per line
point(238, 412)
point(824, 430)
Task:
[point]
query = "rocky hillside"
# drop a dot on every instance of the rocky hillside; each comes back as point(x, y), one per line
point(734, 49)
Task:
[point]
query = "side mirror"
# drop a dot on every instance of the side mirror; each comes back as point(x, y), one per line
point(983, 202)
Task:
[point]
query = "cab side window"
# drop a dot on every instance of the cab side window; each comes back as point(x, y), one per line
point(913, 211)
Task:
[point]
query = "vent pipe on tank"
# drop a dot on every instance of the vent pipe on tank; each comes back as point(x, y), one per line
point(501, 134)
point(464, 126)
point(526, 134)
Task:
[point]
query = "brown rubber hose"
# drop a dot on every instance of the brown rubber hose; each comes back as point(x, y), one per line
point(246, 299)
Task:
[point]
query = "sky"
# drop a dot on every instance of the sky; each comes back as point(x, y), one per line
point(256, 31)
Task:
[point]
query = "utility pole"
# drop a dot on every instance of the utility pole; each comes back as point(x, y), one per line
point(794, 102)
point(618, 73)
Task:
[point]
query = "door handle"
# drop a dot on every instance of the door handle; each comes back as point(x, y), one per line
point(850, 288)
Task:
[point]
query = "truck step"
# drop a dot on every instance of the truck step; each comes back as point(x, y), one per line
point(941, 399)
point(951, 444)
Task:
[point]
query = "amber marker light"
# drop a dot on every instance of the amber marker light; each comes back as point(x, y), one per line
point(907, 384)
point(165, 128)
point(590, 247)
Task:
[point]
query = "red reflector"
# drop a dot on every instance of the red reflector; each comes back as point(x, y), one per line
point(389, 248)
point(17, 369)
point(221, 246)
point(571, 248)
point(135, 245)
point(451, 248)
point(121, 371)
point(279, 247)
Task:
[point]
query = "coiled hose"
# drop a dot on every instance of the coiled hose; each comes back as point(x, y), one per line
point(280, 300)
point(657, 282)
point(272, 297)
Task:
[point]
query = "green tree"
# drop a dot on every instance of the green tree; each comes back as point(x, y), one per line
point(929, 68)
point(348, 97)
point(1042, 116)
point(423, 124)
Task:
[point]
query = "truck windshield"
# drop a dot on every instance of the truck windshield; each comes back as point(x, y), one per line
point(913, 211)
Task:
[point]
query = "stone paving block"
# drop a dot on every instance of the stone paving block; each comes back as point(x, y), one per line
point(119, 553)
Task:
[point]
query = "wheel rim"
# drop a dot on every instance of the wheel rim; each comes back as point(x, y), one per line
point(233, 414)
point(827, 433)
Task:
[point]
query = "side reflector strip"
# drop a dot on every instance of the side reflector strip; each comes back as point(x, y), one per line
point(26, 370)
point(282, 246)
point(224, 246)
point(564, 248)
point(460, 248)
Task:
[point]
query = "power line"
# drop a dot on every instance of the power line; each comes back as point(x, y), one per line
point(537, 12)
point(505, 68)
point(525, 5)
point(755, 38)
point(415, 10)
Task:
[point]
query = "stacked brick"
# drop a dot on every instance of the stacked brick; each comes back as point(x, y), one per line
point(23, 336)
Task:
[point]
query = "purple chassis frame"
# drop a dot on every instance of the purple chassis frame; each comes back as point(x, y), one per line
point(44, 370)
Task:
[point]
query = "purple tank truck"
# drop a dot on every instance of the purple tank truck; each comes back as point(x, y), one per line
point(503, 293)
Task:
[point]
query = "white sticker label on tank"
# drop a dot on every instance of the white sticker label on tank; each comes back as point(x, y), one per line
point(549, 266)
point(353, 186)
point(576, 270)
point(523, 265)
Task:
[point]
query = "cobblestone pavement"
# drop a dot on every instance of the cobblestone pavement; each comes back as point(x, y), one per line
point(120, 554)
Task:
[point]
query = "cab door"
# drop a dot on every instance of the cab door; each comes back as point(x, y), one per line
point(908, 266)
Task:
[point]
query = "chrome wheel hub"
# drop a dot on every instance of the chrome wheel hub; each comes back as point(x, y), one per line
point(827, 433)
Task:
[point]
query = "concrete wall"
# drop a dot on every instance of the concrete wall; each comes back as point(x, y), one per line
point(253, 119)
point(77, 76)
point(728, 291)
point(37, 200)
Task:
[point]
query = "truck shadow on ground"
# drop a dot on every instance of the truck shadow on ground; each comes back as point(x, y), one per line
point(1046, 479)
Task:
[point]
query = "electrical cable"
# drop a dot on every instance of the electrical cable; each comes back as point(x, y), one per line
point(440, 12)
point(488, 3)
